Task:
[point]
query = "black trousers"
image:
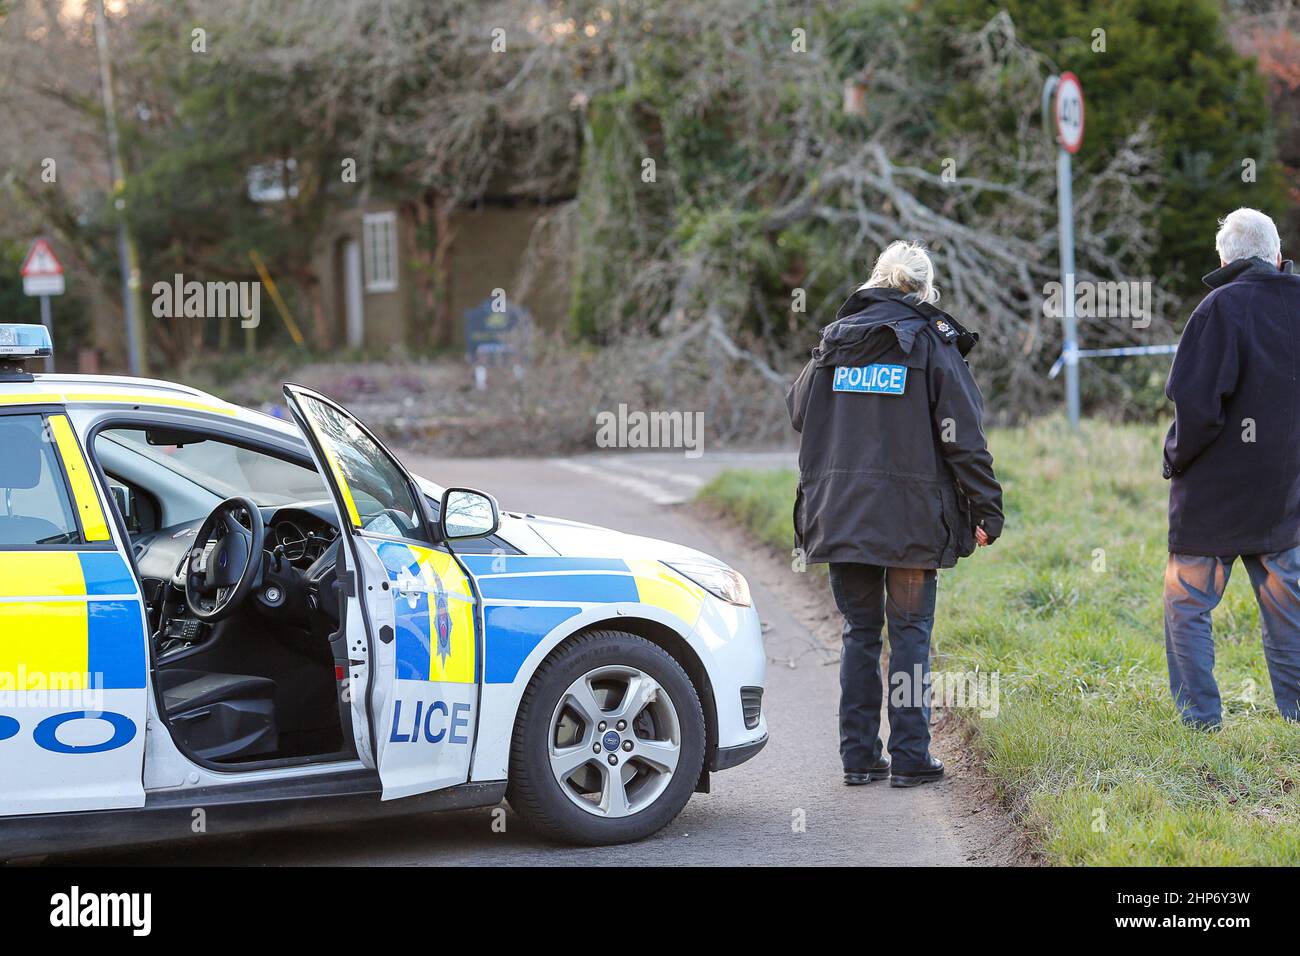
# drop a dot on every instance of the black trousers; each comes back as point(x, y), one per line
point(869, 596)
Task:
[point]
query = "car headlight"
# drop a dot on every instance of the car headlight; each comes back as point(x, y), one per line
point(718, 579)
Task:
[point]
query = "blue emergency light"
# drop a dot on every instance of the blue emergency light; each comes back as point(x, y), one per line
point(18, 343)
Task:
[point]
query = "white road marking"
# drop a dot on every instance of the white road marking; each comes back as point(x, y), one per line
point(628, 482)
point(657, 476)
point(694, 482)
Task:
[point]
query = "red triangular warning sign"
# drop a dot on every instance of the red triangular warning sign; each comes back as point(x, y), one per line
point(41, 261)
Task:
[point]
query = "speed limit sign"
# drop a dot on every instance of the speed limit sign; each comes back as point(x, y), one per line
point(1068, 109)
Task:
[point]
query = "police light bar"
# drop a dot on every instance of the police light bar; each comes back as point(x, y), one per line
point(21, 342)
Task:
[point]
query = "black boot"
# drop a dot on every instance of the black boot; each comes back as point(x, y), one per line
point(877, 771)
point(929, 772)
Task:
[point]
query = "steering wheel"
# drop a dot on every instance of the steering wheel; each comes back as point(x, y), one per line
point(225, 562)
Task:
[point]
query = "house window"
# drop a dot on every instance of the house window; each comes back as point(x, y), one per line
point(379, 243)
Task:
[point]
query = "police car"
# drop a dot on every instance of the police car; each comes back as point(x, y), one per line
point(213, 620)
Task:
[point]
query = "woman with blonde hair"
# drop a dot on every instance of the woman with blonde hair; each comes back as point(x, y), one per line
point(895, 482)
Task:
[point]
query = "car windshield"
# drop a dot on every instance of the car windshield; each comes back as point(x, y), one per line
point(227, 469)
point(371, 480)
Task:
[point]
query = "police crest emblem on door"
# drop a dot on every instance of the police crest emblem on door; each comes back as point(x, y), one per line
point(433, 608)
point(442, 618)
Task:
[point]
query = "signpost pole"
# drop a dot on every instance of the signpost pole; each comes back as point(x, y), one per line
point(49, 327)
point(1063, 118)
point(1065, 210)
point(1063, 114)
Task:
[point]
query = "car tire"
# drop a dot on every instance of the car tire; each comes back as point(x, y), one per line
point(649, 802)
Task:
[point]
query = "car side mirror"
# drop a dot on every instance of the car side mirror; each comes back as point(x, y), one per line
point(466, 514)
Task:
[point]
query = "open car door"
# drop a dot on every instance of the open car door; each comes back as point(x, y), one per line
point(411, 616)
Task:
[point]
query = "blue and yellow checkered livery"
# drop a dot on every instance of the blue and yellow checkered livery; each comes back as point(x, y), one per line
point(434, 610)
point(69, 620)
point(526, 597)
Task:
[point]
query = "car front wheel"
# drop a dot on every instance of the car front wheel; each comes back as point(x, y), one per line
point(609, 741)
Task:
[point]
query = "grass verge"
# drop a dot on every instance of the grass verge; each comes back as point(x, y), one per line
point(1065, 610)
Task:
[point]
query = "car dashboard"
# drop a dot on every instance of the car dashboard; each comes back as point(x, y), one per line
point(305, 530)
point(302, 535)
point(302, 539)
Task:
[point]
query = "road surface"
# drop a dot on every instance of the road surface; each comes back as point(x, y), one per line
point(786, 806)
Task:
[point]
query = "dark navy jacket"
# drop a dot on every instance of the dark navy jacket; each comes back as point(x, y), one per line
point(893, 466)
point(1233, 452)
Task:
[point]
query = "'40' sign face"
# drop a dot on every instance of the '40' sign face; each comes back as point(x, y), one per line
point(1069, 112)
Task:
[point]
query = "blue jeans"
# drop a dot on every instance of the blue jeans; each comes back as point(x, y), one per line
point(1194, 585)
point(868, 596)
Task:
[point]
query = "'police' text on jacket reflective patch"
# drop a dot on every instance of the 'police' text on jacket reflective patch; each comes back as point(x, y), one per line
point(877, 379)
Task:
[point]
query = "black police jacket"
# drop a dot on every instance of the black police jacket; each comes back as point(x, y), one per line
point(1233, 451)
point(894, 469)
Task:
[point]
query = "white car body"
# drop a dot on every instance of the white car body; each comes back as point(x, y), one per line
point(63, 787)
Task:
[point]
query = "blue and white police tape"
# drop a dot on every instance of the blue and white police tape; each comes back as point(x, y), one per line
point(1109, 353)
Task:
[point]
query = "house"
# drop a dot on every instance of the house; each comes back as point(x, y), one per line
point(372, 292)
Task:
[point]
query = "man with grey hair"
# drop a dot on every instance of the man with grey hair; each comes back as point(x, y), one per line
point(1233, 460)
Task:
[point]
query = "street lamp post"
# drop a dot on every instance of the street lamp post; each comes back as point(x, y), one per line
point(128, 260)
